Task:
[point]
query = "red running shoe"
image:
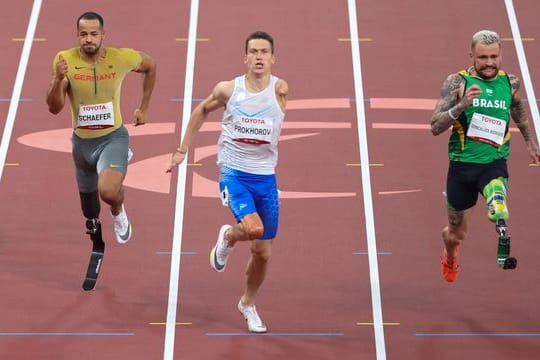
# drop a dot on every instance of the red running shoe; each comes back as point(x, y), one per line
point(450, 270)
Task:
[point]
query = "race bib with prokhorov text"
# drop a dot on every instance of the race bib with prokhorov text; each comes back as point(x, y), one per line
point(252, 130)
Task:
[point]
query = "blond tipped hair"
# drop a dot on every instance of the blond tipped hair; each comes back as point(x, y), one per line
point(485, 37)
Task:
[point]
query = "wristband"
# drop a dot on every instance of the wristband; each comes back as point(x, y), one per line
point(452, 115)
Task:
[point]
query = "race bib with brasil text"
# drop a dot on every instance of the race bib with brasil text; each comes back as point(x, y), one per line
point(487, 129)
point(96, 116)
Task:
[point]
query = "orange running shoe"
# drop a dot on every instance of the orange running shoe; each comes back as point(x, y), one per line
point(450, 270)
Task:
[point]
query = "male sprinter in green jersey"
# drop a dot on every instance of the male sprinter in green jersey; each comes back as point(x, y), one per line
point(478, 104)
point(91, 76)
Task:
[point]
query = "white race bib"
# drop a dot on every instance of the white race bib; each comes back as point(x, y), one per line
point(487, 129)
point(252, 130)
point(96, 116)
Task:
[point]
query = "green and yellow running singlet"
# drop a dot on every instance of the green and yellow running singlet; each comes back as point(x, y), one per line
point(94, 89)
point(480, 135)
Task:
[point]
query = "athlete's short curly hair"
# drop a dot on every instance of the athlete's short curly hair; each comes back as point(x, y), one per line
point(485, 37)
point(90, 15)
point(261, 35)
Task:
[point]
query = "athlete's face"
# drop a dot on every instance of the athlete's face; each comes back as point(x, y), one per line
point(90, 36)
point(486, 60)
point(259, 57)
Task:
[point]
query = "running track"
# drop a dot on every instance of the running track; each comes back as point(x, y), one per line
point(355, 272)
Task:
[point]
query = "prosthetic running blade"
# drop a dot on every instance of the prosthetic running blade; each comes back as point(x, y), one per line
point(96, 257)
point(504, 259)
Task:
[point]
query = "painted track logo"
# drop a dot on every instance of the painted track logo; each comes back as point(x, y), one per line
point(148, 174)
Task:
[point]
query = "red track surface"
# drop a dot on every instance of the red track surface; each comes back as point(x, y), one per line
point(316, 285)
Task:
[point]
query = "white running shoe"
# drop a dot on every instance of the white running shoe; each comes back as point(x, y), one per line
point(122, 227)
point(220, 252)
point(254, 322)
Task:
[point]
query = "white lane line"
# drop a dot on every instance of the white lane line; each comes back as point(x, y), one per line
point(170, 327)
point(19, 80)
point(526, 77)
point(378, 325)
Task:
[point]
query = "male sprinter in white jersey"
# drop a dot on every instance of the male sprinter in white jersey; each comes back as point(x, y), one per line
point(254, 109)
point(91, 76)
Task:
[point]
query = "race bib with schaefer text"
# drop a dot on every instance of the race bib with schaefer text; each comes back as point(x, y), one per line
point(96, 116)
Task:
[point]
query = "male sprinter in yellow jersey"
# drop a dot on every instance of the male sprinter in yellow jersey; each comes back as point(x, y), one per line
point(91, 75)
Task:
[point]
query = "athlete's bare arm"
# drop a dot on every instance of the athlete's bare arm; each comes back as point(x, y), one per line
point(56, 94)
point(282, 90)
point(217, 99)
point(517, 112)
point(148, 68)
point(452, 103)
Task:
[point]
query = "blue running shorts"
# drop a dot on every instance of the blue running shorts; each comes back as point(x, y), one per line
point(246, 193)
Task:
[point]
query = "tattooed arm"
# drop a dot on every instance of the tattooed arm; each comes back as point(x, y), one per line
point(441, 119)
point(452, 103)
point(517, 112)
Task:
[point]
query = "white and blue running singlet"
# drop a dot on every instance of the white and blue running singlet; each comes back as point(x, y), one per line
point(251, 126)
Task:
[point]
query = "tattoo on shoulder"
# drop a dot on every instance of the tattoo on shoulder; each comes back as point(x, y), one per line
point(455, 81)
point(514, 82)
point(449, 91)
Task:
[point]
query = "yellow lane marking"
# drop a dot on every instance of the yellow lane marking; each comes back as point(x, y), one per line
point(186, 39)
point(11, 164)
point(359, 39)
point(178, 323)
point(386, 323)
point(522, 39)
point(194, 164)
point(534, 165)
point(34, 39)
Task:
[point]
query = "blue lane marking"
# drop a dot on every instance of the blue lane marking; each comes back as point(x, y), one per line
point(20, 100)
point(479, 334)
point(275, 334)
point(64, 334)
point(181, 253)
point(365, 253)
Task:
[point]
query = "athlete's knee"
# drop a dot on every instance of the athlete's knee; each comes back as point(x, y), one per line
point(495, 195)
point(262, 251)
point(252, 227)
point(454, 235)
point(110, 186)
point(254, 231)
point(110, 192)
point(110, 196)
